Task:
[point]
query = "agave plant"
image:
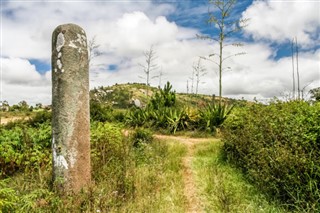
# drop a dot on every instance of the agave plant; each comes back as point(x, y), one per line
point(213, 115)
point(177, 119)
point(136, 117)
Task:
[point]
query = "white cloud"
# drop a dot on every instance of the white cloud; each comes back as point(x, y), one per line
point(20, 71)
point(125, 29)
point(262, 76)
point(280, 21)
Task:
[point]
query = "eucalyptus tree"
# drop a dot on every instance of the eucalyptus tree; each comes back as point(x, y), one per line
point(225, 26)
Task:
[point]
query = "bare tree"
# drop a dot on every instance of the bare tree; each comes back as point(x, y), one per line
point(161, 73)
point(93, 50)
point(298, 76)
point(149, 66)
point(199, 71)
point(293, 77)
point(192, 81)
point(187, 86)
point(295, 51)
point(227, 26)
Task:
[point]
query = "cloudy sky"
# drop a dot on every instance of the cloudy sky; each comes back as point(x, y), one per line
point(124, 29)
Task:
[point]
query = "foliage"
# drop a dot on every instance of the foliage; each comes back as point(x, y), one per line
point(24, 148)
point(8, 197)
point(162, 112)
point(100, 112)
point(40, 117)
point(136, 117)
point(315, 93)
point(117, 96)
point(164, 98)
point(278, 147)
point(224, 188)
point(141, 136)
point(213, 116)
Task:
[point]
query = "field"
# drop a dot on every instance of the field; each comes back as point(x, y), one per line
point(186, 154)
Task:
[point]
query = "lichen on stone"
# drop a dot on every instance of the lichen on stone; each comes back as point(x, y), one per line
point(60, 41)
point(71, 44)
point(61, 162)
point(59, 64)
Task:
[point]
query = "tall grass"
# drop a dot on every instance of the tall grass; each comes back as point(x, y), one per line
point(126, 178)
point(224, 189)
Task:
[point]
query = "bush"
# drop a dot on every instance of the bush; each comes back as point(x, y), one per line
point(278, 147)
point(100, 112)
point(40, 117)
point(24, 148)
point(111, 158)
point(141, 136)
point(213, 115)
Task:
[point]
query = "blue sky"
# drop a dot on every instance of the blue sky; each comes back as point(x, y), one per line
point(125, 29)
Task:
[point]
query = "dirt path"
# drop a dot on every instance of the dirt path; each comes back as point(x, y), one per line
point(14, 118)
point(194, 203)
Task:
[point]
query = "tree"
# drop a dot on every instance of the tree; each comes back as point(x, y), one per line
point(93, 50)
point(23, 106)
point(192, 81)
point(149, 66)
point(199, 71)
point(295, 51)
point(315, 93)
point(226, 26)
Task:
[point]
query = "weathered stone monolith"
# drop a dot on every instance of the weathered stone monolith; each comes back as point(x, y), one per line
point(70, 109)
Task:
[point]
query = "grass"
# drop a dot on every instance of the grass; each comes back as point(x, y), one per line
point(225, 189)
point(150, 182)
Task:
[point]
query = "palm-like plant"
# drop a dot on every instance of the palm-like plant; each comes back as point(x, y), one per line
point(213, 115)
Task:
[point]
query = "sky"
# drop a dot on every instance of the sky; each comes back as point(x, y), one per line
point(125, 29)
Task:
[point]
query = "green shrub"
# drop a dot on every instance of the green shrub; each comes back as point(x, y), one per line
point(8, 197)
point(100, 112)
point(111, 157)
point(24, 147)
point(136, 117)
point(278, 146)
point(164, 98)
point(40, 117)
point(213, 115)
point(141, 136)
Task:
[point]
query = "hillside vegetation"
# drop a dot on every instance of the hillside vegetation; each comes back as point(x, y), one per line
point(273, 149)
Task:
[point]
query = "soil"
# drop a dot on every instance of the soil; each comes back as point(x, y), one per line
point(194, 204)
point(7, 120)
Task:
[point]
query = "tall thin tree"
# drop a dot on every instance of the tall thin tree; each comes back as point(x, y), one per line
point(227, 26)
point(298, 75)
point(192, 81)
point(293, 75)
point(149, 66)
point(199, 71)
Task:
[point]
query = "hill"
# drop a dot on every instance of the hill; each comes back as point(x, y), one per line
point(125, 95)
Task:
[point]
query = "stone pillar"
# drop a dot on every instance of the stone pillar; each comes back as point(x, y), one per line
point(70, 109)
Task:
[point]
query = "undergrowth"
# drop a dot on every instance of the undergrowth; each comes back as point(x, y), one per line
point(126, 178)
point(278, 148)
point(223, 188)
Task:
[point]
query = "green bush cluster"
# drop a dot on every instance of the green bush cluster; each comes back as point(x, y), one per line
point(278, 147)
point(162, 112)
point(142, 136)
point(104, 112)
point(23, 147)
